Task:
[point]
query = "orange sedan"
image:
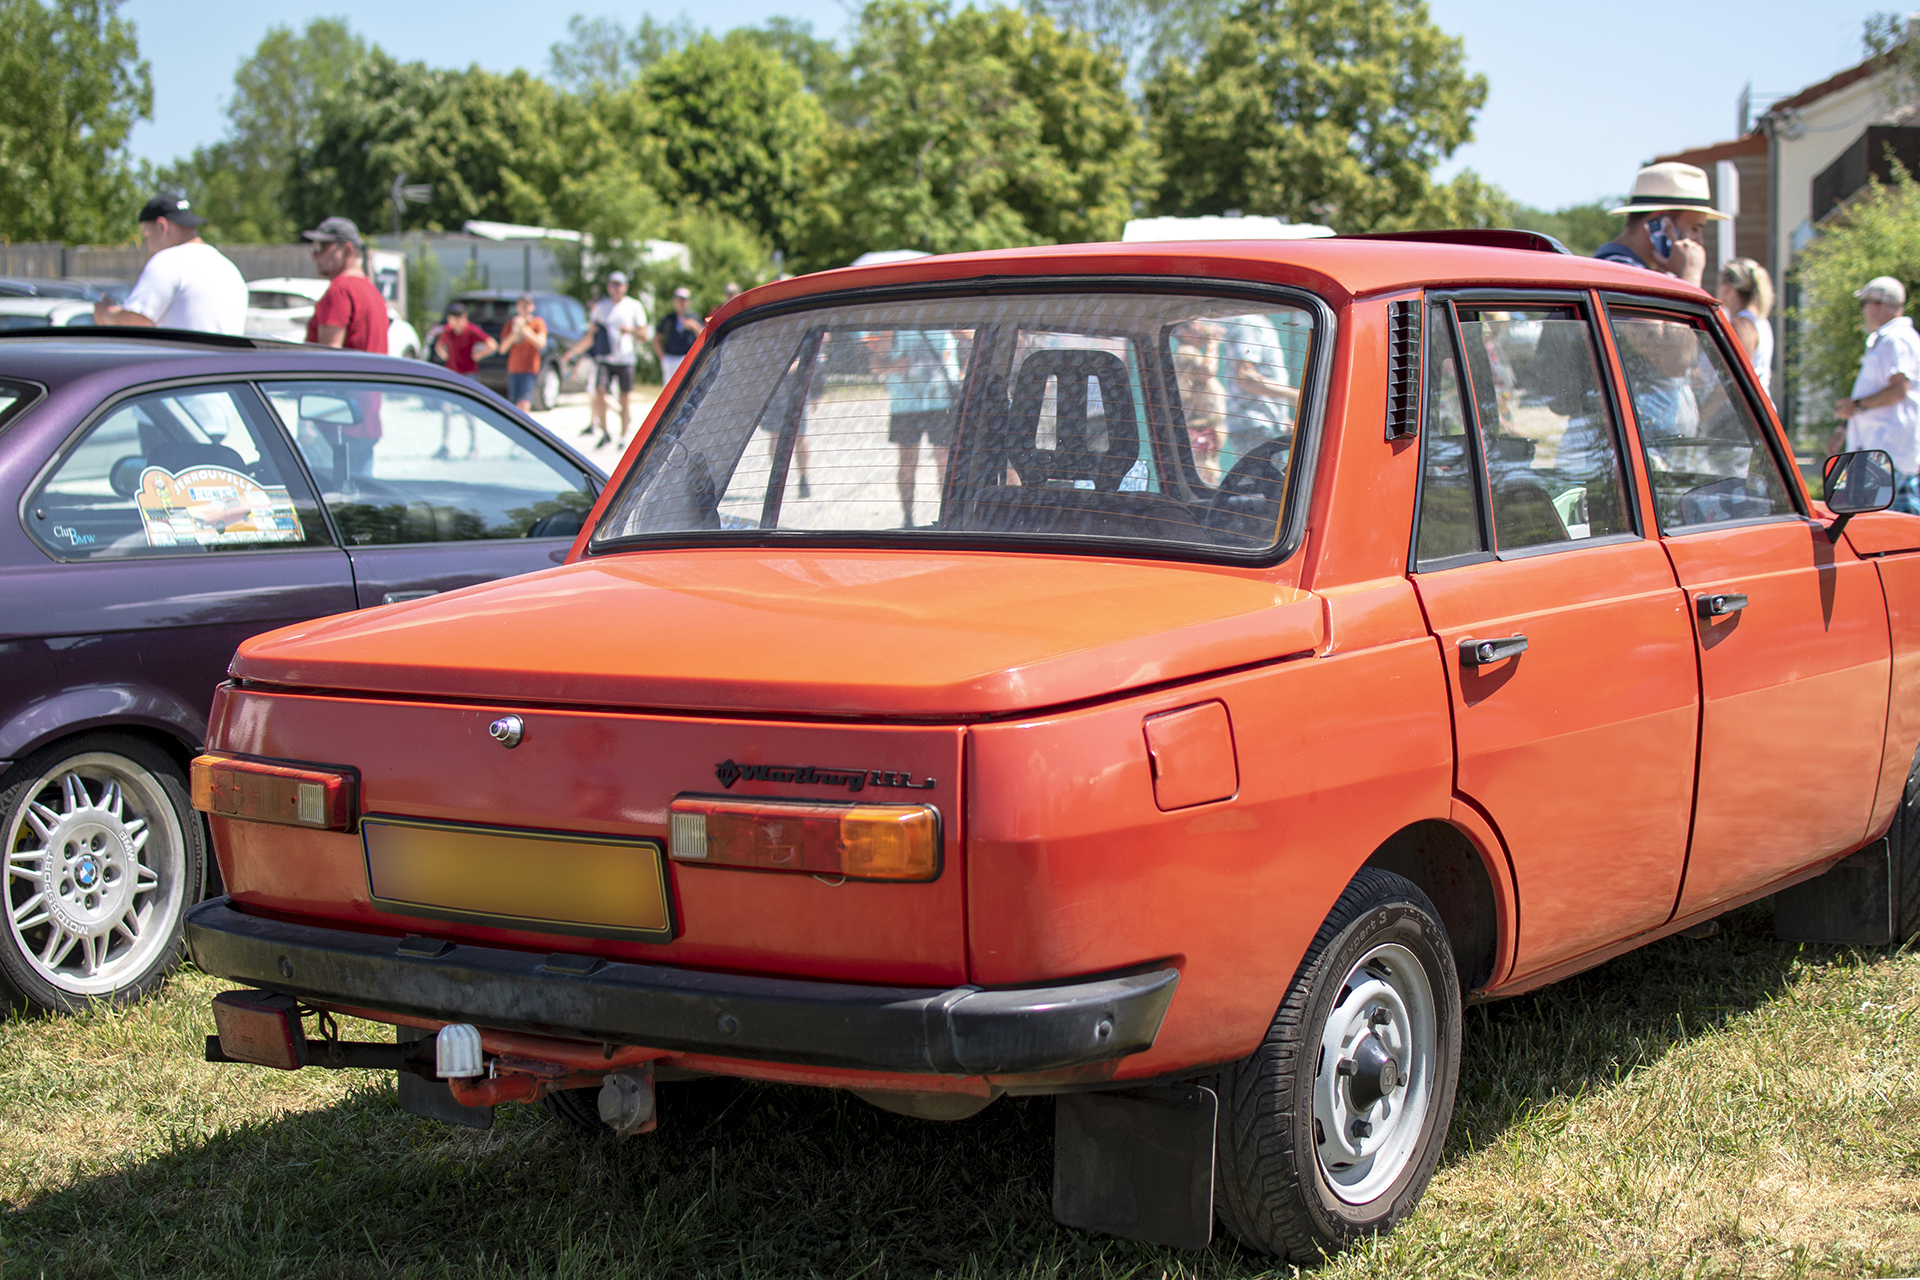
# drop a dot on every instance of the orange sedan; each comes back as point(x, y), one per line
point(1174, 679)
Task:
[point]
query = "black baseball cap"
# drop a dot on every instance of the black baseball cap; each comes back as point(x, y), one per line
point(335, 228)
point(172, 206)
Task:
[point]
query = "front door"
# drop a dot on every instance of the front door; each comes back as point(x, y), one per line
point(431, 490)
point(1791, 629)
point(1568, 650)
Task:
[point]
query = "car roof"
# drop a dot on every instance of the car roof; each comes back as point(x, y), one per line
point(502, 295)
point(305, 286)
point(40, 306)
point(1338, 268)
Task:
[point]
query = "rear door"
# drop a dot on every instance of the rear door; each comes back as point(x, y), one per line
point(1790, 629)
point(175, 526)
point(1573, 733)
point(431, 489)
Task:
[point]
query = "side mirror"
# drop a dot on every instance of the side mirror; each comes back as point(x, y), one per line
point(333, 410)
point(1856, 483)
point(124, 476)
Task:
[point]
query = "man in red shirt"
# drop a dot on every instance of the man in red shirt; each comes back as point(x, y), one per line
point(351, 313)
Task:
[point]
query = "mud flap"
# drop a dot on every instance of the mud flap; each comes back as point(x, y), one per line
point(1851, 904)
point(431, 1098)
point(1137, 1164)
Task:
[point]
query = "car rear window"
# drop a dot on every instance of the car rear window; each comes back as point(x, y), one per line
point(1151, 418)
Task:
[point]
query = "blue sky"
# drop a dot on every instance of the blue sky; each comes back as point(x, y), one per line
point(1579, 97)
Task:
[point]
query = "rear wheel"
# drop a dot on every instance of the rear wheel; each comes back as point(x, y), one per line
point(1330, 1130)
point(104, 853)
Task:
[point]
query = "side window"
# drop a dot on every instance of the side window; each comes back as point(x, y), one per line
point(399, 463)
point(1449, 480)
point(177, 472)
point(1707, 458)
point(1553, 460)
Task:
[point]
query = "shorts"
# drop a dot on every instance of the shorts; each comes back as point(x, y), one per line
point(606, 375)
point(668, 365)
point(907, 428)
point(520, 386)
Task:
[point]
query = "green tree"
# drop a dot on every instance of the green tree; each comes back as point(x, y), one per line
point(1331, 111)
point(1143, 34)
point(280, 97)
point(509, 148)
point(738, 131)
point(975, 130)
point(72, 83)
point(1581, 227)
point(601, 54)
point(1878, 234)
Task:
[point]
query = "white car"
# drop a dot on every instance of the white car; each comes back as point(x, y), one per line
point(280, 306)
point(38, 313)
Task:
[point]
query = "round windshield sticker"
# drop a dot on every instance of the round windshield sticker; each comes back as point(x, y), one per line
point(214, 507)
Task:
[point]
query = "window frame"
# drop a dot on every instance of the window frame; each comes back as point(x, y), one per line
point(1450, 302)
point(1309, 423)
point(505, 410)
point(71, 441)
point(1757, 405)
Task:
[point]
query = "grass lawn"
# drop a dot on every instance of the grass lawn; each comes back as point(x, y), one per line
point(1734, 1106)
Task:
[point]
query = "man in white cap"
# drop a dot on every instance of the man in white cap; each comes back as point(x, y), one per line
point(1884, 410)
point(1667, 216)
point(618, 321)
point(187, 283)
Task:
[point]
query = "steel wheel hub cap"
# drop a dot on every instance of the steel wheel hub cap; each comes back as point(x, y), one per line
point(1374, 1081)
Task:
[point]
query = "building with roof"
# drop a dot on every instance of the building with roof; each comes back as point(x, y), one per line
point(1796, 166)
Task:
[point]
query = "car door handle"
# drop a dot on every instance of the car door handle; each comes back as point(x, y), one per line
point(1719, 605)
point(1480, 653)
point(395, 597)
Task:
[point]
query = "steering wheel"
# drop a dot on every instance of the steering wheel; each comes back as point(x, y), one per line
point(1254, 474)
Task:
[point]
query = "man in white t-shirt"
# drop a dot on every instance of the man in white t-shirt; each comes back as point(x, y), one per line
point(624, 321)
point(1884, 410)
point(187, 283)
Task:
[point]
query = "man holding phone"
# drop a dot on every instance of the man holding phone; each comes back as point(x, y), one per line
point(1667, 217)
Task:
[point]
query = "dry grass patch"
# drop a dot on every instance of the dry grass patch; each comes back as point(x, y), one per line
point(1732, 1107)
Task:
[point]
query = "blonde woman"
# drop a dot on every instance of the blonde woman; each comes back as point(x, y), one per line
point(1747, 294)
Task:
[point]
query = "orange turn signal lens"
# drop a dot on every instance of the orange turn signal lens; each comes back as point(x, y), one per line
point(261, 791)
point(858, 841)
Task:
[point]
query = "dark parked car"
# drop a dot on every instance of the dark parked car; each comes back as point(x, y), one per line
point(173, 494)
point(566, 321)
point(38, 287)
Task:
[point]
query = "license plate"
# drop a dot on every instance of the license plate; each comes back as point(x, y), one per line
point(549, 882)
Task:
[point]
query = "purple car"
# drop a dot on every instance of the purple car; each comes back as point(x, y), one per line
point(173, 494)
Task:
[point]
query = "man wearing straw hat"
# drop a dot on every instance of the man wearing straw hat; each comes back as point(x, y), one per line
point(1667, 215)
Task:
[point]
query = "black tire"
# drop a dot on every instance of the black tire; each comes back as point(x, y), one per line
point(579, 1108)
point(1276, 1188)
point(102, 820)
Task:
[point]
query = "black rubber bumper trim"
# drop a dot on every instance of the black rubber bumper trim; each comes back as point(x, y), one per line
point(958, 1031)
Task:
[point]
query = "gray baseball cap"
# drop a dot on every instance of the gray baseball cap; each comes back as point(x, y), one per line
point(335, 229)
point(1883, 289)
point(618, 277)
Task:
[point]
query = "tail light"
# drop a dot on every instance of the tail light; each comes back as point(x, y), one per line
point(858, 841)
point(262, 791)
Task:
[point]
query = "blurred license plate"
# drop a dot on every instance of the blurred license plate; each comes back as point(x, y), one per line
point(595, 885)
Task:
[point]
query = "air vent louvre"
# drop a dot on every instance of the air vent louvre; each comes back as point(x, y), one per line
point(1403, 369)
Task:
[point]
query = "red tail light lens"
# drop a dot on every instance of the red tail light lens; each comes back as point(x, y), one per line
point(261, 791)
point(858, 841)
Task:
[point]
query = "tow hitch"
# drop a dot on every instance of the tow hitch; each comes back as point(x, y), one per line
point(445, 1075)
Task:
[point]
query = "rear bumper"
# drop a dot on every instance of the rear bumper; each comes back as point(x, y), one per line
point(957, 1031)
